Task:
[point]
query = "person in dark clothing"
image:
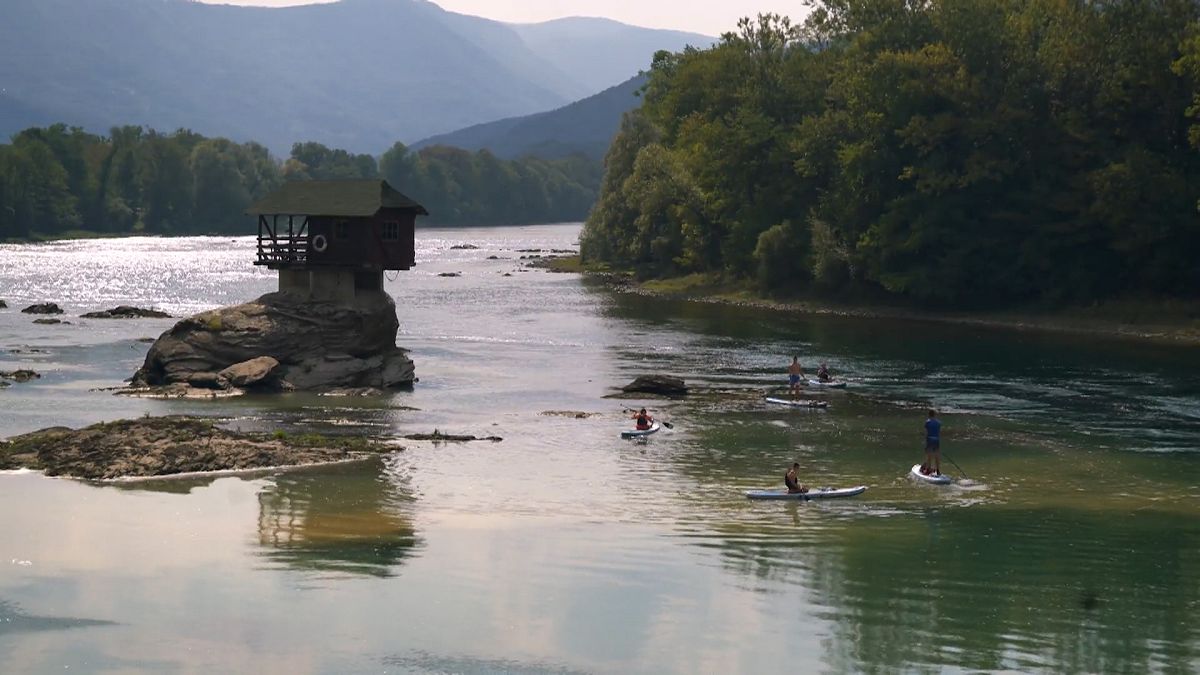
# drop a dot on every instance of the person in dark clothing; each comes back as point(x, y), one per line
point(792, 481)
point(933, 445)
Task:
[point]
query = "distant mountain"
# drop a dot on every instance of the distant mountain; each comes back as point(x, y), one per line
point(585, 127)
point(355, 74)
point(601, 52)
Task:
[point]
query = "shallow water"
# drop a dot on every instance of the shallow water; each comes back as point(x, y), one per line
point(1074, 545)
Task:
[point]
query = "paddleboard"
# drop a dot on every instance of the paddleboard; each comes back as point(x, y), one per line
point(826, 385)
point(813, 493)
point(937, 480)
point(798, 403)
point(636, 433)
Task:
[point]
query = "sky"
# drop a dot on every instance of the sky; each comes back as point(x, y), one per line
point(710, 17)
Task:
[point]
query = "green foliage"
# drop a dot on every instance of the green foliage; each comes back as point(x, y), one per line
point(59, 180)
point(477, 188)
point(947, 152)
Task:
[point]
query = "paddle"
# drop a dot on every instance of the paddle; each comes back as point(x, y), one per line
point(964, 473)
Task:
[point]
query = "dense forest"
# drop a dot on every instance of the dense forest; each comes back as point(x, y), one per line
point(62, 181)
point(940, 152)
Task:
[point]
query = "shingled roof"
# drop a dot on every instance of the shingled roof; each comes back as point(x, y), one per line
point(347, 198)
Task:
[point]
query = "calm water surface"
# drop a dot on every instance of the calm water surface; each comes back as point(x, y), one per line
point(1074, 545)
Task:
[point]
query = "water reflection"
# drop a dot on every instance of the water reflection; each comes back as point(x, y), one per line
point(14, 620)
point(352, 519)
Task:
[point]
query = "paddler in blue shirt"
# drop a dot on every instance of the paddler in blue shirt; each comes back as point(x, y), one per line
point(792, 481)
point(933, 454)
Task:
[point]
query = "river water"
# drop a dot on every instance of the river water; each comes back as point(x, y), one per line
point(1074, 545)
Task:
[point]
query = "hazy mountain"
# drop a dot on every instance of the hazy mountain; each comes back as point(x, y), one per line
point(600, 52)
point(356, 74)
point(585, 126)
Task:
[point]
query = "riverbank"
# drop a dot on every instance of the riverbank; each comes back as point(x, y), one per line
point(167, 446)
point(1171, 322)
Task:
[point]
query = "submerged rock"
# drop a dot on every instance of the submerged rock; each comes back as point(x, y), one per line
point(21, 375)
point(3, 304)
point(43, 308)
point(439, 437)
point(127, 312)
point(163, 446)
point(318, 345)
point(51, 322)
point(666, 385)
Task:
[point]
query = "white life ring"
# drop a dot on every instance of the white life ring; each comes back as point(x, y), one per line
point(319, 243)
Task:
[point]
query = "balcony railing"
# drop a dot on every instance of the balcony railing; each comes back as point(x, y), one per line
point(283, 250)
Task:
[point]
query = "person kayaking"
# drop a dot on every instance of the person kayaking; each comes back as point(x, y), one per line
point(823, 373)
point(795, 372)
point(792, 482)
point(644, 420)
point(933, 454)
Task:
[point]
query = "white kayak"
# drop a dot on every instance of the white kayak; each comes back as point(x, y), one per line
point(942, 479)
point(814, 493)
point(638, 433)
point(798, 402)
point(826, 385)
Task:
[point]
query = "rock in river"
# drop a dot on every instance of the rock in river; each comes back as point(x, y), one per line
point(43, 308)
point(19, 375)
point(127, 312)
point(665, 385)
point(318, 345)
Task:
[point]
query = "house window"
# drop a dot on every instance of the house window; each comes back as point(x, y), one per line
point(391, 231)
point(341, 229)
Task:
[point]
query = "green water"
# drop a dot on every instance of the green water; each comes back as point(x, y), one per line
point(1070, 544)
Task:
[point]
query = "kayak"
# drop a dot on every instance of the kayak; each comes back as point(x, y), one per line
point(815, 493)
point(936, 480)
point(799, 403)
point(639, 433)
point(826, 385)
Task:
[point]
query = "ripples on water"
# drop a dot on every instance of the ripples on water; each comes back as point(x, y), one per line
point(1073, 545)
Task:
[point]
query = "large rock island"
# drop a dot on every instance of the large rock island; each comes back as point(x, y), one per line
point(283, 340)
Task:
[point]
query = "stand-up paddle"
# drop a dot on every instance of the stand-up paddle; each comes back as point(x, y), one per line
point(964, 473)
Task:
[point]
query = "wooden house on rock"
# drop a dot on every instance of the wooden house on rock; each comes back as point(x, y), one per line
point(332, 240)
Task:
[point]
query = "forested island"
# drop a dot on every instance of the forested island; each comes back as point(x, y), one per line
point(944, 153)
point(61, 181)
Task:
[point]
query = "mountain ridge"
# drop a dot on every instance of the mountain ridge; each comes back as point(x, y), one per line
point(355, 74)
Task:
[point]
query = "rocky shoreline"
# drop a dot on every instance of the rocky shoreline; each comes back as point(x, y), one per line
point(174, 445)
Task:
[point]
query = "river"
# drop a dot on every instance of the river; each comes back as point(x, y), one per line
point(1071, 544)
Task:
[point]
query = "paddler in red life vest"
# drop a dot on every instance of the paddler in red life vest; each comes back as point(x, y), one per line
point(644, 420)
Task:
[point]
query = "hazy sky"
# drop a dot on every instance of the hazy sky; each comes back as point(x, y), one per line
point(711, 17)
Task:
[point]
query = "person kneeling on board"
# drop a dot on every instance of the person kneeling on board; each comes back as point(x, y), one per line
point(792, 481)
point(933, 442)
point(644, 420)
point(823, 374)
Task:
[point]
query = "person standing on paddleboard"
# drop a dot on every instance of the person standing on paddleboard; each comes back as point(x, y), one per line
point(795, 372)
point(933, 442)
point(792, 481)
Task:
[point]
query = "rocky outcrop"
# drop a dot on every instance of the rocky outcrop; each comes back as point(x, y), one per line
point(317, 345)
point(259, 372)
point(43, 308)
point(127, 312)
point(51, 322)
point(663, 385)
point(3, 304)
point(19, 375)
point(163, 446)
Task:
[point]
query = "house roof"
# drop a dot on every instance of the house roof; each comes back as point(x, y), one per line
point(348, 198)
